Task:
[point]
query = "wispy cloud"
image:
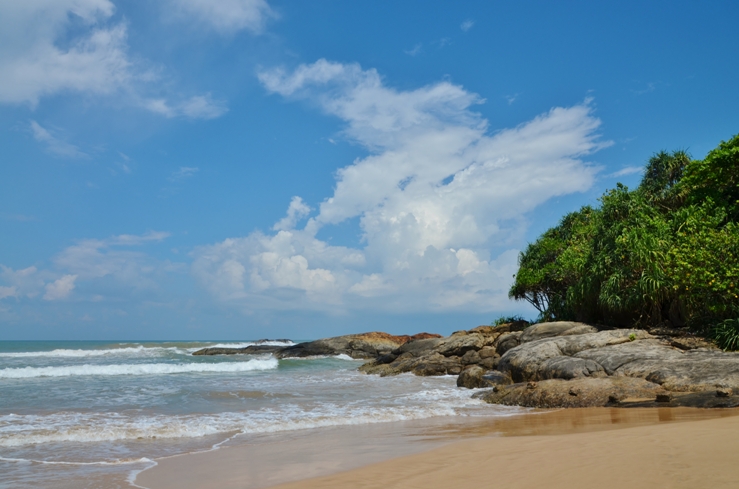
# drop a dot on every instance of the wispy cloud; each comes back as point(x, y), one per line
point(629, 170)
point(415, 50)
point(650, 87)
point(511, 98)
point(55, 145)
point(467, 25)
point(197, 107)
point(182, 173)
point(18, 217)
point(227, 16)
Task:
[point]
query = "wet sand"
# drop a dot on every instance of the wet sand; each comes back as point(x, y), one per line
point(574, 448)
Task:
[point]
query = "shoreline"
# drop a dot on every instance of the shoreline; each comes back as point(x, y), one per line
point(394, 454)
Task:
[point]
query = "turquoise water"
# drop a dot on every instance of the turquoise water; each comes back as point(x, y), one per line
point(79, 411)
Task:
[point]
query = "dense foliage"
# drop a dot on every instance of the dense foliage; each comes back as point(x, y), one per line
point(666, 253)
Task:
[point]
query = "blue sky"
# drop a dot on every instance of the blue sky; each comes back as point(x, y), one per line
point(189, 169)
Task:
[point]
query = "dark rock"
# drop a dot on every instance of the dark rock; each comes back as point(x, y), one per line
point(703, 399)
point(249, 350)
point(724, 392)
point(666, 397)
point(475, 377)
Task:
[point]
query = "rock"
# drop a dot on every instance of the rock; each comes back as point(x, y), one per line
point(724, 392)
point(487, 352)
point(475, 377)
point(666, 397)
point(361, 346)
point(249, 350)
point(703, 399)
point(623, 354)
point(543, 358)
point(556, 328)
point(584, 392)
point(481, 346)
point(508, 341)
point(472, 357)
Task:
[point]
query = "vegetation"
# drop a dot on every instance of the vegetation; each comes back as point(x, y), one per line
point(666, 253)
point(509, 319)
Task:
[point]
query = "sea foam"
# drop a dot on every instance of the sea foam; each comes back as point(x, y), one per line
point(137, 369)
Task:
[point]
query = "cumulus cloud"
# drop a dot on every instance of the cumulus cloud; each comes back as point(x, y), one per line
point(55, 145)
point(60, 288)
point(440, 200)
point(50, 47)
point(227, 16)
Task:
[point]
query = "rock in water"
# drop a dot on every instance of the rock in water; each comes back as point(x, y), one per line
point(360, 346)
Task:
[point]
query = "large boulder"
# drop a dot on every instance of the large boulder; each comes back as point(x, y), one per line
point(550, 358)
point(583, 392)
point(555, 328)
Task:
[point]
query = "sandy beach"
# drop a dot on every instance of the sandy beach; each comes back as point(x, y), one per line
point(575, 448)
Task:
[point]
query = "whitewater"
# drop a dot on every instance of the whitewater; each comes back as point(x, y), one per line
point(86, 410)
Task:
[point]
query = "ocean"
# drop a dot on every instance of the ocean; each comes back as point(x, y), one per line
point(79, 413)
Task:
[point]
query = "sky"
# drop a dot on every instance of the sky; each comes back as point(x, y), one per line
point(242, 169)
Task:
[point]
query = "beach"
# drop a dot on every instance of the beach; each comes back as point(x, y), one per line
point(572, 448)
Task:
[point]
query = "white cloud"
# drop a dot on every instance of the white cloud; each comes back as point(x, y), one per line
point(8, 292)
point(295, 212)
point(439, 201)
point(60, 289)
point(183, 173)
point(629, 170)
point(54, 145)
point(227, 16)
point(51, 47)
point(467, 25)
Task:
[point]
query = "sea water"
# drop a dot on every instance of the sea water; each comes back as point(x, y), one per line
point(77, 412)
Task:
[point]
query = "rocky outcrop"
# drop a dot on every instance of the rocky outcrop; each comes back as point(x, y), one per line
point(444, 356)
point(360, 346)
point(622, 353)
point(248, 350)
point(556, 366)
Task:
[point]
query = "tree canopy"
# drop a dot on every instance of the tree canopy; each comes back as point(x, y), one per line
point(666, 253)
